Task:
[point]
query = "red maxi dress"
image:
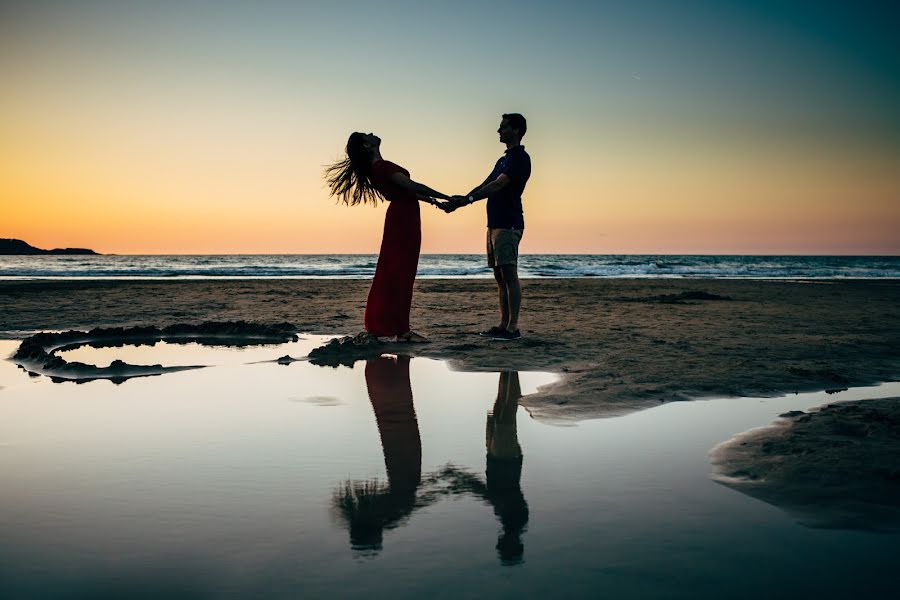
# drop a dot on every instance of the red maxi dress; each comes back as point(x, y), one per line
point(390, 297)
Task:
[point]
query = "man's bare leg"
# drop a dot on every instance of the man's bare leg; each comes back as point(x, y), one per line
point(504, 297)
point(510, 276)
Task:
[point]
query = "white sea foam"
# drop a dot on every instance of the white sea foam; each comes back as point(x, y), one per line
point(432, 266)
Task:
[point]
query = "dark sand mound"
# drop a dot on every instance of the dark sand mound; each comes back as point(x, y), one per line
point(688, 297)
point(836, 467)
point(346, 350)
point(36, 354)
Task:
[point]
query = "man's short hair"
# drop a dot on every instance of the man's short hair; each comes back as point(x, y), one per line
point(517, 121)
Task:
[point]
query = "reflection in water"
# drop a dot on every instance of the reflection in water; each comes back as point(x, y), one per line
point(370, 507)
point(504, 469)
point(503, 489)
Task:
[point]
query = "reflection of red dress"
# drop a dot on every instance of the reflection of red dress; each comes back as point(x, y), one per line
point(387, 380)
point(390, 297)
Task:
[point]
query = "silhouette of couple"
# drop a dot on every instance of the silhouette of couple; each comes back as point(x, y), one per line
point(365, 177)
point(369, 507)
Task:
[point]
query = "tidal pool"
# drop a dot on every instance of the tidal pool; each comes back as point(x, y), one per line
point(397, 476)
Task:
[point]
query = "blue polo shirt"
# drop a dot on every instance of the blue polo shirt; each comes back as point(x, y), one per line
point(504, 208)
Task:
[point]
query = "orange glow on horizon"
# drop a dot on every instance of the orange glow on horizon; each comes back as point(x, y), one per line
point(159, 153)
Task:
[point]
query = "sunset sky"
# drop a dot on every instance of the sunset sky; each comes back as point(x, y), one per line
point(654, 127)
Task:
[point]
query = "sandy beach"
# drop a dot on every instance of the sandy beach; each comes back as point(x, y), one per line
point(618, 345)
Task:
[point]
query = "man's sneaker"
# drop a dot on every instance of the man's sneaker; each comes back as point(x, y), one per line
point(507, 335)
point(492, 331)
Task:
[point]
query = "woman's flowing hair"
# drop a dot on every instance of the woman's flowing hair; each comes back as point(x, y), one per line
point(350, 178)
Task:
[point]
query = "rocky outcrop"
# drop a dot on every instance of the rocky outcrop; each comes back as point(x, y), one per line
point(9, 246)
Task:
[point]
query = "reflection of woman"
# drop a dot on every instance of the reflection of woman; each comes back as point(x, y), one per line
point(364, 176)
point(387, 379)
point(371, 507)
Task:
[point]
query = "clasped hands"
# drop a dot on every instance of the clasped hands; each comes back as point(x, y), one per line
point(452, 204)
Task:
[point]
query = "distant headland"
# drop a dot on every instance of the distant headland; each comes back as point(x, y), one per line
point(12, 246)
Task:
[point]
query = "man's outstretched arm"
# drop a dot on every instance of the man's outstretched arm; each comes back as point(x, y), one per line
point(491, 187)
point(481, 192)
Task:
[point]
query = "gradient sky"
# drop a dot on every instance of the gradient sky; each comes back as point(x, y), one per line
point(654, 127)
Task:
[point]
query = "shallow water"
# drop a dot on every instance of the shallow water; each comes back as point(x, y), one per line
point(397, 476)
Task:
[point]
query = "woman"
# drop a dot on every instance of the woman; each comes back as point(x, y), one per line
point(363, 177)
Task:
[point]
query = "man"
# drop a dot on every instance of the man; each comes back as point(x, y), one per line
point(503, 189)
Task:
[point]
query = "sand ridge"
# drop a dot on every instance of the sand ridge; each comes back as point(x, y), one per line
point(37, 353)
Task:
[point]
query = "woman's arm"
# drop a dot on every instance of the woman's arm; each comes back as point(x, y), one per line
point(429, 200)
point(419, 189)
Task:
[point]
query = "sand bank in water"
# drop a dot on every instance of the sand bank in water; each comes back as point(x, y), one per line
point(835, 467)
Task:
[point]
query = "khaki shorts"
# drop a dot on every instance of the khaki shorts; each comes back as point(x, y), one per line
point(503, 246)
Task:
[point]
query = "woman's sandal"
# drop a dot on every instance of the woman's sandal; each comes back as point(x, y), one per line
point(411, 337)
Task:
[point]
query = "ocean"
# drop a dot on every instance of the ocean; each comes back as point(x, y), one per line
point(433, 266)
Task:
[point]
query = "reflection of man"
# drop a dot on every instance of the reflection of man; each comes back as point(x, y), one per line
point(504, 469)
point(501, 436)
point(503, 189)
point(502, 490)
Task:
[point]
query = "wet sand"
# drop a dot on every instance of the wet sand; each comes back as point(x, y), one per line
point(619, 345)
point(834, 467)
